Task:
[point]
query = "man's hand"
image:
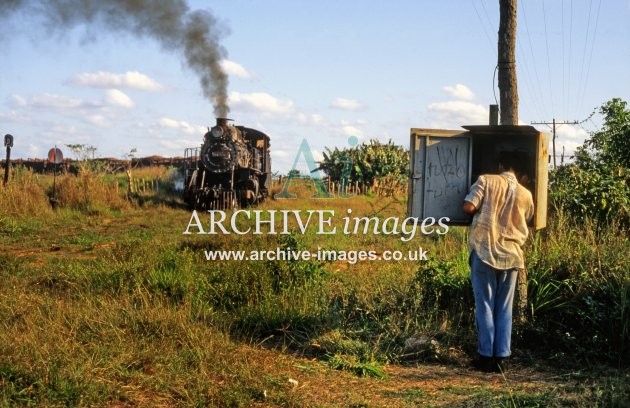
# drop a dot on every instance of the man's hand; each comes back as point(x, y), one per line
point(469, 208)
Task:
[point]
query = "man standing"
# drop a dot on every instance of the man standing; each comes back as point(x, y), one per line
point(502, 209)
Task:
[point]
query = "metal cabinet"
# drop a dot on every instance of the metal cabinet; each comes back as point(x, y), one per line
point(445, 163)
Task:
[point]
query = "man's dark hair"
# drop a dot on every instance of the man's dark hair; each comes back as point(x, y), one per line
point(516, 161)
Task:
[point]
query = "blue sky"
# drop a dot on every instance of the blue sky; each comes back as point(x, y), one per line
point(316, 70)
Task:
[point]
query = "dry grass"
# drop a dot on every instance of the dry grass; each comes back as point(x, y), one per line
point(89, 191)
point(118, 308)
point(151, 173)
point(24, 195)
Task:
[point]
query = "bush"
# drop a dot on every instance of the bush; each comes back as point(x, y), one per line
point(444, 285)
point(369, 163)
point(579, 277)
point(597, 192)
point(596, 185)
point(579, 292)
point(88, 191)
point(24, 195)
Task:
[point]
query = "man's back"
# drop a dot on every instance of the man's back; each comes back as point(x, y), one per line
point(499, 227)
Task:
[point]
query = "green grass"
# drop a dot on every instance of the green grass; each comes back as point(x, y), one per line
point(116, 306)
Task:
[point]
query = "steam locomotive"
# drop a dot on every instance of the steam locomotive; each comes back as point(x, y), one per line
point(232, 168)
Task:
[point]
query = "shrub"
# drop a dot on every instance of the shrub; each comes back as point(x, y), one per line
point(369, 163)
point(444, 285)
point(596, 185)
point(24, 195)
point(88, 191)
point(579, 291)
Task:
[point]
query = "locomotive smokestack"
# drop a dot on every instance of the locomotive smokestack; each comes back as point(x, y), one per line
point(222, 121)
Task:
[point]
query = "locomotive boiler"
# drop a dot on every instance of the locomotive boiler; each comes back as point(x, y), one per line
point(232, 168)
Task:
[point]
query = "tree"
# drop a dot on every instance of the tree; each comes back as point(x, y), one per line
point(596, 184)
point(82, 152)
point(367, 163)
point(610, 147)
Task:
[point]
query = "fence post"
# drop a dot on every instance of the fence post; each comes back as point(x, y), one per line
point(521, 301)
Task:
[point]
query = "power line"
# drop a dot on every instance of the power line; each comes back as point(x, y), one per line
point(485, 11)
point(529, 83)
point(588, 27)
point(548, 62)
point(531, 50)
point(590, 58)
point(483, 25)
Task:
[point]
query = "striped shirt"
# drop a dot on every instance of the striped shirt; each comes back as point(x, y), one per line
point(499, 227)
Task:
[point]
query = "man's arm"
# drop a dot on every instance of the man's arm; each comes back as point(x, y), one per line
point(469, 208)
point(474, 198)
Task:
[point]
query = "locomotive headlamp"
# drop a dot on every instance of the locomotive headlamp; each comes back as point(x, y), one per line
point(217, 132)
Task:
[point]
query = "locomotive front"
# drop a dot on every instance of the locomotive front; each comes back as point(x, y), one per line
point(231, 168)
point(224, 148)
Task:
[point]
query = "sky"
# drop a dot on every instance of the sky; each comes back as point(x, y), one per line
point(316, 70)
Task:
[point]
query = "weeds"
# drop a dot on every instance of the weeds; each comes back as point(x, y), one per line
point(351, 364)
point(578, 291)
point(128, 310)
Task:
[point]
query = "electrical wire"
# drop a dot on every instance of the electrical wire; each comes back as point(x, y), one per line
point(588, 26)
point(485, 12)
point(536, 102)
point(531, 50)
point(548, 59)
point(590, 58)
point(483, 25)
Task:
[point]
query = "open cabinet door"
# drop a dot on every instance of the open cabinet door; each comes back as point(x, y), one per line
point(440, 174)
point(444, 164)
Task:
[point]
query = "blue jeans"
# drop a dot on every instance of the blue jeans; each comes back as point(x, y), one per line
point(494, 297)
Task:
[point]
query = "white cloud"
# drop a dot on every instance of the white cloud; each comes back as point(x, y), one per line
point(312, 119)
point(569, 147)
point(454, 114)
point(15, 117)
point(177, 145)
point(235, 69)
point(569, 137)
point(259, 102)
point(459, 91)
point(182, 126)
point(571, 132)
point(17, 101)
point(349, 130)
point(33, 150)
point(130, 79)
point(346, 104)
point(114, 97)
point(279, 153)
point(97, 120)
point(317, 155)
point(168, 122)
point(58, 102)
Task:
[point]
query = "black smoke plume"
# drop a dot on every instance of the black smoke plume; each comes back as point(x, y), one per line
point(194, 33)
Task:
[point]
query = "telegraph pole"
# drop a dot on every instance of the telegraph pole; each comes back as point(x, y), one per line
point(508, 91)
point(506, 64)
point(553, 124)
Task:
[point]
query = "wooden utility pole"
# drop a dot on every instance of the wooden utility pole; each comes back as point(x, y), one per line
point(553, 138)
point(508, 87)
point(508, 91)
